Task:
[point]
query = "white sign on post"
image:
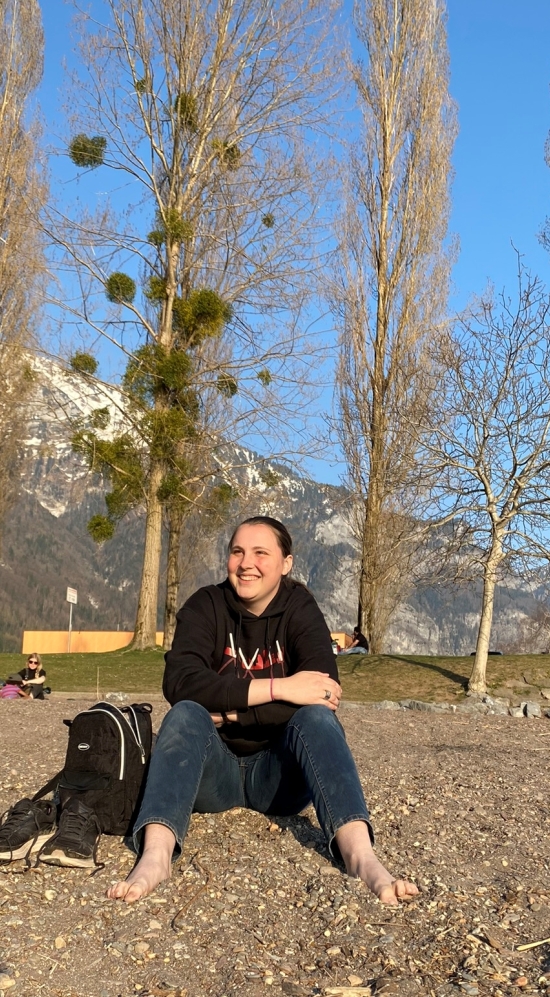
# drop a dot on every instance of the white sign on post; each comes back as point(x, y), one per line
point(72, 598)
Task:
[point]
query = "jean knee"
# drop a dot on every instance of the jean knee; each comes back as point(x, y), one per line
point(317, 718)
point(187, 718)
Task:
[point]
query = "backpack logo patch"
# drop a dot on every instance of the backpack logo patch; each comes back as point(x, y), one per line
point(83, 746)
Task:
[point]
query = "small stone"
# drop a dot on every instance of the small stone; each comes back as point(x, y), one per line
point(334, 950)
point(50, 894)
point(60, 942)
point(355, 981)
point(516, 711)
point(140, 948)
point(6, 982)
point(329, 870)
point(521, 981)
point(532, 709)
point(155, 925)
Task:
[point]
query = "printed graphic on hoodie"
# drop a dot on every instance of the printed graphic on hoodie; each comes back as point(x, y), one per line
point(260, 661)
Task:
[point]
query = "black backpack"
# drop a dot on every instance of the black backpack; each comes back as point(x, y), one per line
point(106, 763)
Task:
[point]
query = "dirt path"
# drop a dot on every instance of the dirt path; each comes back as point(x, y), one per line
point(459, 803)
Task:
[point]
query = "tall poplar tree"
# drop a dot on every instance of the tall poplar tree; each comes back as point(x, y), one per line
point(390, 286)
point(21, 193)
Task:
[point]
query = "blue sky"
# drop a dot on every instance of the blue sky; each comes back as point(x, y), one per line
point(500, 79)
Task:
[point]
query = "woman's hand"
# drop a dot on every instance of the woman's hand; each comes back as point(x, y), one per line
point(308, 689)
point(219, 719)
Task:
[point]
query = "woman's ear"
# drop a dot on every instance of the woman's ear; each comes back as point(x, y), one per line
point(287, 566)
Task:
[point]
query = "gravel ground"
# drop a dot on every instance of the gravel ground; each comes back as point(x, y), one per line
point(459, 804)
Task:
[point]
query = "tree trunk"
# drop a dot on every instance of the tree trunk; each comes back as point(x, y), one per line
point(173, 575)
point(145, 632)
point(477, 682)
point(368, 616)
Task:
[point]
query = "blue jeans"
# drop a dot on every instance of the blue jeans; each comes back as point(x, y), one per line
point(192, 769)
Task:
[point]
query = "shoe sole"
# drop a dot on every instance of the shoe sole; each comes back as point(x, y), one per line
point(23, 850)
point(58, 857)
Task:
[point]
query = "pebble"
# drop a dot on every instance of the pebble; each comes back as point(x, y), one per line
point(6, 982)
point(60, 942)
point(521, 981)
point(355, 981)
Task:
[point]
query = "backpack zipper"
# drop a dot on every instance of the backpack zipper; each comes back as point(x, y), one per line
point(122, 744)
point(135, 731)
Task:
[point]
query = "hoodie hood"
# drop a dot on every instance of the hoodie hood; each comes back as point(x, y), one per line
point(255, 645)
point(276, 607)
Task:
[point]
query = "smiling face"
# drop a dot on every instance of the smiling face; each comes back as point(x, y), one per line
point(256, 565)
point(32, 662)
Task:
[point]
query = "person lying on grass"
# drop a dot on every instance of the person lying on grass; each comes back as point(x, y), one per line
point(254, 689)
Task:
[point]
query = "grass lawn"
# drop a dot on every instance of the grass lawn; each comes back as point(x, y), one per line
point(371, 678)
point(113, 671)
point(365, 678)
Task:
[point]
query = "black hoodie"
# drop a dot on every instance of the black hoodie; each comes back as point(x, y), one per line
point(219, 647)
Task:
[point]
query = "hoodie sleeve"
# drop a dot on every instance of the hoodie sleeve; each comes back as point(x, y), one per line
point(189, 671)
point(308, 647)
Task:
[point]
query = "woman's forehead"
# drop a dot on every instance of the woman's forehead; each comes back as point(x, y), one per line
point(255, 535)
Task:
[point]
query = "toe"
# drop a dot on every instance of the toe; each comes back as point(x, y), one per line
point(135, 892)
point(117, 891)
point(387, 895)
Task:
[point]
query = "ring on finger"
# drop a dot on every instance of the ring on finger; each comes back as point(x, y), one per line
point(327, 694)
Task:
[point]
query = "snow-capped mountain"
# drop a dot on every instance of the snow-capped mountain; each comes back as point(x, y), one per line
point(46, 546)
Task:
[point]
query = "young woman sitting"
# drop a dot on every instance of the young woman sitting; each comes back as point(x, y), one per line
point(254, 689)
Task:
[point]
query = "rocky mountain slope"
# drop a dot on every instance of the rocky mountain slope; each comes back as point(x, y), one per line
point(46, 546)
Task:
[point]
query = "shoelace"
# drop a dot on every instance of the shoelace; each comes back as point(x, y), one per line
point(16, 815)
point(72, 821)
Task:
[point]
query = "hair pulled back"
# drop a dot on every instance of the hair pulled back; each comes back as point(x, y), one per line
point(284, 540)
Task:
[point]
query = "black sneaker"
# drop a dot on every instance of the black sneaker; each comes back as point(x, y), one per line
point(26, 828)
point(76, 839)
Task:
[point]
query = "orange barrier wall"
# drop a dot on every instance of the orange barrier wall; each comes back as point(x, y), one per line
point(343, 639)
point(55, 641)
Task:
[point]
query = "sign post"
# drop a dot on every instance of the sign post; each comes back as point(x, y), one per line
point(72, 599)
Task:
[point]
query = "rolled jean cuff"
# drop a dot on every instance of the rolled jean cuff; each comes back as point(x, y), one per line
point(333, 845)
point(138, 831)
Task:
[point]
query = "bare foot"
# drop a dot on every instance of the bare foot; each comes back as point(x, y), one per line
point(153, 867)
point(356, 849)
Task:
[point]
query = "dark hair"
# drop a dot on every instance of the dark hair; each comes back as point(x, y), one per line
point(282, 535)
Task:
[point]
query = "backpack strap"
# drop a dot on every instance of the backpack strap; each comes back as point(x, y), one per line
point(49, 787)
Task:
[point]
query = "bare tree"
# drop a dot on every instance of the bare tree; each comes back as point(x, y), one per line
point(491, 447)
point(390, 288)
point(197, 109)
point(21, 192)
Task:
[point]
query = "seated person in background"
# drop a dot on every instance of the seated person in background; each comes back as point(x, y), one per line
point(12, 689)
point(34, 676)
point(359, 644)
